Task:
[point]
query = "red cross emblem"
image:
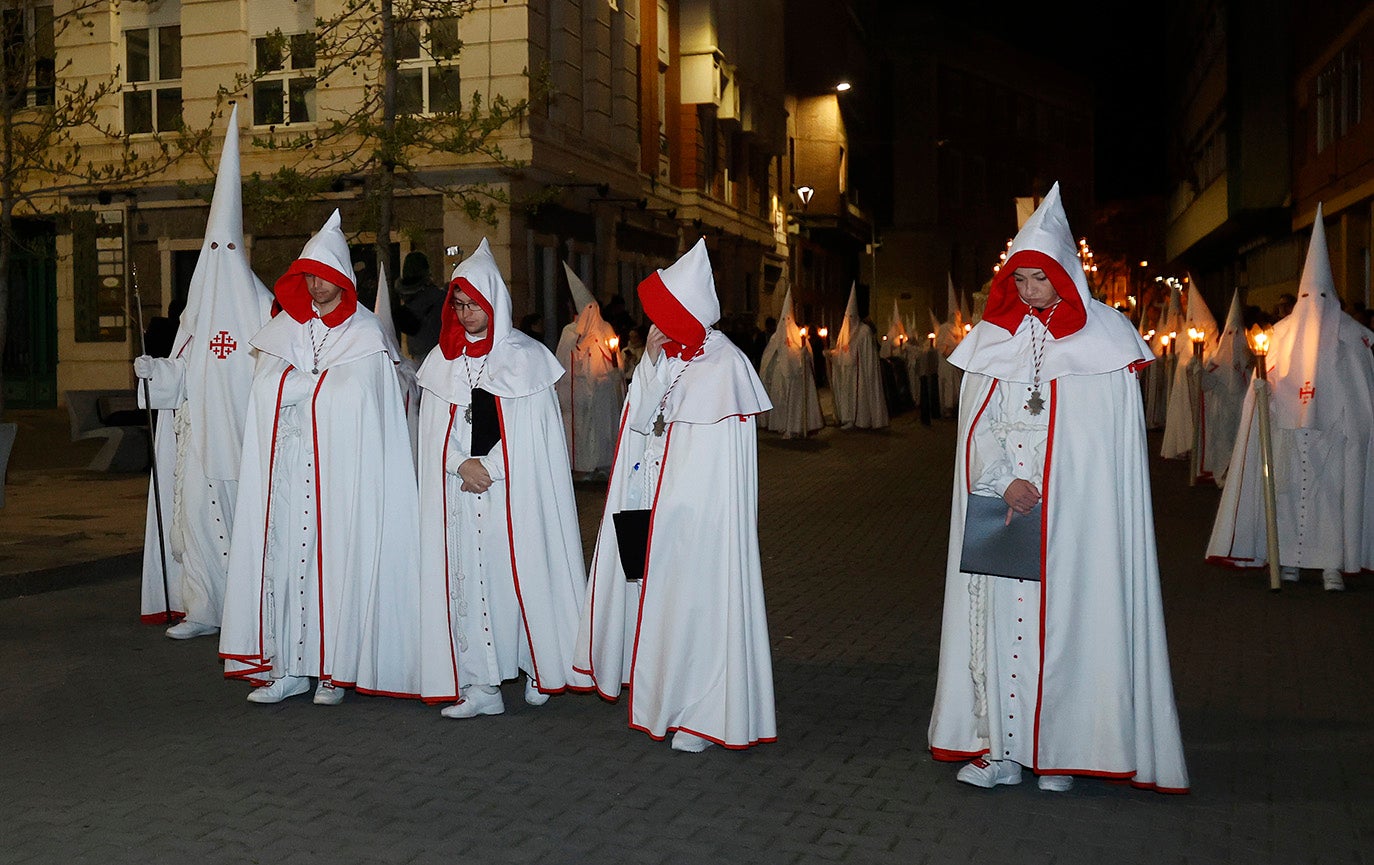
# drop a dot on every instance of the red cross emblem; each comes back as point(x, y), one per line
point(1306, 392)
point(223, 345)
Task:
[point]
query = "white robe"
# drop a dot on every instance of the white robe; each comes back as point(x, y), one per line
point(857, 382)
point(789, 376)
point(502, 573)
point(1091, 694)
point(591, 393)
point(1323, 468)
point(947, 338)
point(692, 645)
point(323, 574)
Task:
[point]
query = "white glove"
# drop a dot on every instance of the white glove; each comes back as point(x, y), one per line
point(143, 366)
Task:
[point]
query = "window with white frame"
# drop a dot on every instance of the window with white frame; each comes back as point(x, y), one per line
point(152, 79)
point(427, 67)
point(284, 82)
point(30, 58)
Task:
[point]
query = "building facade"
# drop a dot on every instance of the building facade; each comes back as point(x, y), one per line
point(651, 123)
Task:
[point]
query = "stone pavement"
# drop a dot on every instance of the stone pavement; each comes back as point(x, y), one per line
point(123, 746)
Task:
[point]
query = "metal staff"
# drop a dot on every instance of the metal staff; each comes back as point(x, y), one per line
point(152, 449)
point(1271, 521)
point(1194, 373)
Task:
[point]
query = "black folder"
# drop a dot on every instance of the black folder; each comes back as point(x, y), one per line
point(993, 547)
point(486, 427)
point(632, 539)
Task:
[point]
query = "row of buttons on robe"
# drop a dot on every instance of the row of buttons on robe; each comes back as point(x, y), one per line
point(1016, 656)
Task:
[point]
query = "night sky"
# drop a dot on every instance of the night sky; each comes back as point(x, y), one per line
point(1119, 47)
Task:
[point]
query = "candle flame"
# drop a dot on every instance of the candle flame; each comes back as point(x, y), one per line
point(801, 332)
point(823, 332)
point(613, 343)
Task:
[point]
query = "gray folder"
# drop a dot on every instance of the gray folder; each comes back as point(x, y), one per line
point(991, 546)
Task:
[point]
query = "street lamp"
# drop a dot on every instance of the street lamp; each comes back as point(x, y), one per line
point(843, 87)
point(805, 193)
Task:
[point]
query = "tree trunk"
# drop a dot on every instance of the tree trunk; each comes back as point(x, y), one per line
point(386, 176)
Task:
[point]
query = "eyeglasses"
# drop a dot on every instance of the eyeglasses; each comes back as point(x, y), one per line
point(470, 306)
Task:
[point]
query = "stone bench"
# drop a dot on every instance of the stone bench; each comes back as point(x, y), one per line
point(113, 415)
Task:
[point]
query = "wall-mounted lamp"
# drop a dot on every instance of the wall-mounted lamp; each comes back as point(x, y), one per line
point(805, 193)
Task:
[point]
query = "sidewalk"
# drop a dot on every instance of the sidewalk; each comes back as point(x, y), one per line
point(58, 514)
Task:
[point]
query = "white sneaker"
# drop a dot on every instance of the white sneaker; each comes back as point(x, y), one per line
point(1055, 783)
point(533, 696)
point(286, 686)
point(474, 701)
point(990, 773)
point(690, 742)
point(187, 629)
point(327, 694)
point(1332, 580)
point(1288, 574)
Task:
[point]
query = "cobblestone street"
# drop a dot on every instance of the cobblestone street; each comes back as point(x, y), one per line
point(121, 746)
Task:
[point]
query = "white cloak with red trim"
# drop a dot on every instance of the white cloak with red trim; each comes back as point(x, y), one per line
point(1097, 697)
point(692, 645)
point(592, 392)
point(323, 574)
point(502, 573)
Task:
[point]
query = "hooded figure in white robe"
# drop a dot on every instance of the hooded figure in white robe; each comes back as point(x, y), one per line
point(1165, 344)
point(856, 381)
point(502, 573)
point(1225, 379)
point(323, 566)
point(1178, 422)
point(789, 376)
point(948, 334)
point(201, 392)
point(689, 634)
point(1321, 384)
point(406, 368)
point(1069, 675)
point(593, 391)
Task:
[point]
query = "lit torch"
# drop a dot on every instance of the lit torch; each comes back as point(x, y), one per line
point(1259, 344)
point(1195, 400)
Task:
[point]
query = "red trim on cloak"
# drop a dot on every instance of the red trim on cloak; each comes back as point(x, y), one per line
point(510, 542)
point(591, 587)
point(259, 661)
point(1007, 310)
point(644, 583)
point(751, 743)
point(968, 450)
point(319, 518)
point(295, 299)
point(1044, 571)
point(572, 408)
point(453, 337)
point(161, 618)
point(686, 334)
point(448, 568)
point(944, 755)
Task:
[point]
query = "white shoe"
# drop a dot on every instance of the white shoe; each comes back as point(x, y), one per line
point(1055, 783)
point(689, 742)
point(286, 686)
point(475, 701)
point(533, 696)
point(187, 629)
point(328, 695)
point(1332, 580)
point(990, 773)
point(1288, 574)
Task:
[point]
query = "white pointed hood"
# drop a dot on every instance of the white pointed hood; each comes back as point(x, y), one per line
point(788, 332)
point(225, 306)
point(1087, 337)
point(896, 328)
point(952, 306)
point(1307, 390)
point(1232, 351)
point(849, 329)
point(505, 362)
point(1199, 317)
point(383, 313)
point(681, 299)
point(716, 379)
point(582, 297)
point(1170, 322)
point(324, 255)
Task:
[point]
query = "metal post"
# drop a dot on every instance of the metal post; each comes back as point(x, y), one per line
point(1271, 523)
point(152, 449)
